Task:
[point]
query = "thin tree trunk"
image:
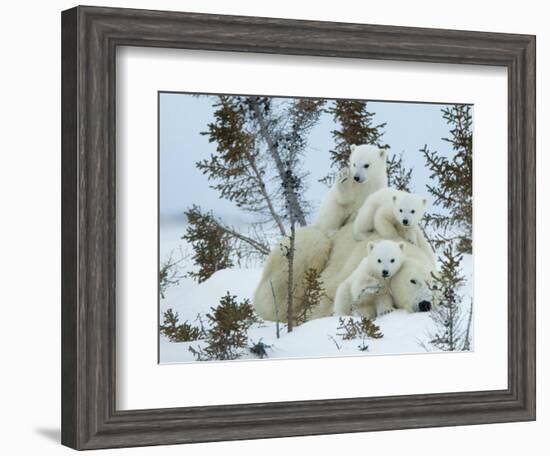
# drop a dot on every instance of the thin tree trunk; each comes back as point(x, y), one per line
point(428, 240)
point(276, 217)
point(277, 331)
point(452, 324)
point(466, 345)
point(264, 131)
point(290, 308)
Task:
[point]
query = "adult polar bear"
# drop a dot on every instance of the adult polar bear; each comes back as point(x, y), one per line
point(409, 287)
point(337, 258)
point(330, 248)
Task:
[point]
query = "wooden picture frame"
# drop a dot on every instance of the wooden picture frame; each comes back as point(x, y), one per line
point(90, 37)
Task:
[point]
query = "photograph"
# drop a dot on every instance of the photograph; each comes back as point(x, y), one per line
point(292, 227)
point(275, 228)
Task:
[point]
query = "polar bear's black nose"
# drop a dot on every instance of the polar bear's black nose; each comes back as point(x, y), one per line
point(424, 306)
point(356, 178)
point(385, 273)
point(405, 222)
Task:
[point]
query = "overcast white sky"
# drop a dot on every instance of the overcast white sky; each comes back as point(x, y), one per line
point(183, 117)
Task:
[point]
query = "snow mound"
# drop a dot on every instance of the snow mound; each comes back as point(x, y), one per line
point(404, 333)
point(189, 298)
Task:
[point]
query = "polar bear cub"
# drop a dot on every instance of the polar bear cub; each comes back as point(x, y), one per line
point(391, 213)
point(365, 174)
point(365, 290)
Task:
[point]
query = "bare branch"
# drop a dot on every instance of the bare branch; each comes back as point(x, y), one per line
point(334, 340)
point(259, 246)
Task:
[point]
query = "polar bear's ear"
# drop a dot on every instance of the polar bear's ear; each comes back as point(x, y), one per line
point(382, 153)
point(401, 245)
point(352, 147)
point(370, 246)
point(424, 201)
point(394, 198)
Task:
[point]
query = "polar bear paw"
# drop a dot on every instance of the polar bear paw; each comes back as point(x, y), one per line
point(369, 290)
point(384, 305)
point(343, 179)
point(343, 175)
point(384, 311)
point(412, 239)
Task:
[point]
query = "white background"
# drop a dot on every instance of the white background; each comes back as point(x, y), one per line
point(30, 240)
point(144, 384)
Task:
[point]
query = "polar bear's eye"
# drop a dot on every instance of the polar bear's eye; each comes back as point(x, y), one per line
point(366, 166)
point(392, 260)
point(400, 210)
point(379, 260)
point(412, 212)
point(413, 281)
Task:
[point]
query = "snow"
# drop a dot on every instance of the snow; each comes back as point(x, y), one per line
point(320, 338)
point(406, 131)
point(404, 332)
point(189, 298)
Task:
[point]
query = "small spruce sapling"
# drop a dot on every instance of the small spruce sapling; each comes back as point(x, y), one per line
point(363, 329)
point(448, 315)
point(226, 335)
point(452, 190)
point(211, 244)
point(350, 329)
point(170, 273)
point(399, 177)
point(176, 332)
point(313, 292)
point(291, 184)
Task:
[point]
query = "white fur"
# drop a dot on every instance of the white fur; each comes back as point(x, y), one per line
point(365, 290)
point(312, 250)
point(365, 174)
point(393, 214)
point(336, 258)
point(386, 258)
point(413, 284)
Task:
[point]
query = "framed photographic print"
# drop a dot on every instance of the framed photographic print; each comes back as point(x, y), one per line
point(258, 212)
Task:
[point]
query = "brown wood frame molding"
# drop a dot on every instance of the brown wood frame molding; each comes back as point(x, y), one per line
point(90, 36)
